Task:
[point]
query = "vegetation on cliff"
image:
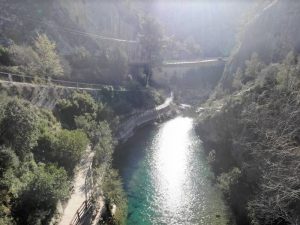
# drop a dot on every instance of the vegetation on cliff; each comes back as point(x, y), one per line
point(255, 138)
point(250, 126)
point(39, 152)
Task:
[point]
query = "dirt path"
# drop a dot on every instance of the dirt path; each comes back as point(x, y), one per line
point(78, 195)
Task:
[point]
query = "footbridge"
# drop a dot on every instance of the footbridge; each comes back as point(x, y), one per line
point(173, 68)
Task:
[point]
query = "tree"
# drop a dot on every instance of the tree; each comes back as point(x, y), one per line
point(104, 147)
point(287, 76)
point(237, 80)
point(8, 159)
point(253, 66)
point(114, 194)
point(19, 126)
point(78, 104)
point(63, 148)
point(118, 65)
point(37, 200)
point(4, 56)
point(49, 62)
point(151, 40)
point(25, 59)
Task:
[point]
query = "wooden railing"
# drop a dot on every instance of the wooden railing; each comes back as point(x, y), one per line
point(85, 207)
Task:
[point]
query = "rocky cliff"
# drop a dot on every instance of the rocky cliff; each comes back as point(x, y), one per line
point(70, 23)
point(251, 134)
point(271, 32)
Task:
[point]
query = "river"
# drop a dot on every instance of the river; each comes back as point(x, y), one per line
point(167, 178)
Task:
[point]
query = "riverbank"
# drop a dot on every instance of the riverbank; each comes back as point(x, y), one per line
point(126, 128)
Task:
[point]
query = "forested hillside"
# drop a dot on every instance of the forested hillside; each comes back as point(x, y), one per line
point(40, 150)
point(95, 40)
point(250, 125)
point(46, 130)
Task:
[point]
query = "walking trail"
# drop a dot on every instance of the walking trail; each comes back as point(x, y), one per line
point(78, 195)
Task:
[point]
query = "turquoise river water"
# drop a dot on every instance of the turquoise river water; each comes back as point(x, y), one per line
point(167, 178)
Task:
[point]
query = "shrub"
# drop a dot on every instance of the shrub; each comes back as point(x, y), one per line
point(8, 159)
point(19, 126)
point(253, 66)
point(77, 105)
point(25, 58)
point(37, 200)
point(63, 148)
point(4, 56)
point(104, 148)
point(49, 62)
point(226, 180)
point(114, 194)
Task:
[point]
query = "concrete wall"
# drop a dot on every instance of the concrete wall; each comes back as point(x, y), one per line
point(126, 129)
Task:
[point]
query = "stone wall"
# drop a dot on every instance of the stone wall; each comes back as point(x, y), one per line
point(126, 129)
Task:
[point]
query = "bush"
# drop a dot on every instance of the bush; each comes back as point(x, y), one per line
point(25, 58)
point(253, 67)
point(19, 126)
point(63, 148)
point(8, 160)
point(78, 104)
point(104, 147)
point(37, 200)
point(226, 180)
point(49, 62)
point(39, 60)
point(114, 194)
point(4, 56)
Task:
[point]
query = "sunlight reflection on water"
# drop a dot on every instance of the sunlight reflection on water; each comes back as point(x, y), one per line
point(171, 156)
point(167, 179)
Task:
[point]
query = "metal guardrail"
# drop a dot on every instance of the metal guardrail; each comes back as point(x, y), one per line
point(22, 78)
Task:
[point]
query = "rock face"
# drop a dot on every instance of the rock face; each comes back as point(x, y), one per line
point(70, 23)
point(237, 136)
point(272, 33)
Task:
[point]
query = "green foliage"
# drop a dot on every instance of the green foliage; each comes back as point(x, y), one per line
point(40, 60)
point(49, 62)
point(226, 180)
point(37, 200)
point(4, 56)
point(8, 160)
point(19, 126)
point(104, 148)
point(151, 41)
point(109, 66)
point(25, 59)
point(259, 131)
point(63, 148)
point(288, 74)
point(7, 221)
point(89, 126)
point(253, 67)
point(113, 191)
point(77, 105)
point(238, 78)
point(118, 66)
